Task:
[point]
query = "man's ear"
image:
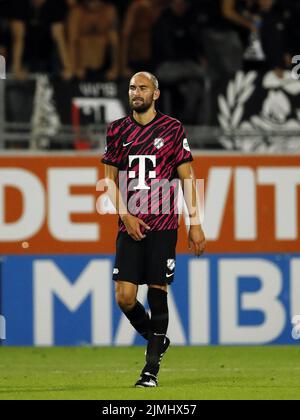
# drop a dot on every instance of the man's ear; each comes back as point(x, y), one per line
point(156, 94)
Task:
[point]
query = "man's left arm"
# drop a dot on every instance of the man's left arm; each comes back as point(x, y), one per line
point(113, 73)
point(58, 34)
point(196, 238)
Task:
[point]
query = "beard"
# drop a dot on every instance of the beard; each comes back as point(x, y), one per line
point(142, 107)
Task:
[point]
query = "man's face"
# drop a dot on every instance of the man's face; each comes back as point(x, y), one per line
point(142, 94)
point(37, 3)
point(92, 5)
point(266, 5)
point(179, 7)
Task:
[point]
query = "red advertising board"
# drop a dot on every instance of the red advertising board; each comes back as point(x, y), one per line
point(48, 205)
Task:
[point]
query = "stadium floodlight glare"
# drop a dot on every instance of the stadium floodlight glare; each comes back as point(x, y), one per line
point(2, 68)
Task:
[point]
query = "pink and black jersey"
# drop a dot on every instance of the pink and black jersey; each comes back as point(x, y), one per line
point(147, 158)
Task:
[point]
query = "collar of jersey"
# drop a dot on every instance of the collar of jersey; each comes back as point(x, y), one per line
point(157, 116)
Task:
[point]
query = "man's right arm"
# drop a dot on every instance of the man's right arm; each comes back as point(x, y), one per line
point(18, 37)
point(73, 42)
point(229, 12)
point(131, 223)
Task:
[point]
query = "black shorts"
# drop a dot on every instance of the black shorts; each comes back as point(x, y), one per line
point(150, 261)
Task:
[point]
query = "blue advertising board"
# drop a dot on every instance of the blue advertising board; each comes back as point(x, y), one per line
point(215, 300)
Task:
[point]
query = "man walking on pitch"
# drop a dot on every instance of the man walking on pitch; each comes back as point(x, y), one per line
point(151, 149)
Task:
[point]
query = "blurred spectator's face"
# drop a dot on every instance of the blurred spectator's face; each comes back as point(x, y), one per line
point(179, 7)
point(141, 94)
point(37, 3)
point(92, 4)
point(71, 3)
point(266, 5)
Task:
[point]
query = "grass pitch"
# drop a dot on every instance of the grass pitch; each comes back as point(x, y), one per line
point(187, 373)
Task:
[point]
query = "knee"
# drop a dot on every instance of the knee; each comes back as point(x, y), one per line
point(126, 301)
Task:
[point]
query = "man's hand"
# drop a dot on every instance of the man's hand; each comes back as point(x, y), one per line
point(112, 74)
point(67, 74)
point(133, 225)
point(197, 240)
point(21, 74)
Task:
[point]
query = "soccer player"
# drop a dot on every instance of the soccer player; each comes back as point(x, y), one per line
point(151, 149)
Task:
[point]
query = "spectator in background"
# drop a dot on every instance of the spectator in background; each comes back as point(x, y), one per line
point(291, 11)
point(121, 6)
point(4, 33)
point(37, 27)
point(228, 27)
point(137, 49)
point(274, 37)
point(237, 12)
point(71, 4)
point(179, 58)
point(2, 37)
point(94, 40)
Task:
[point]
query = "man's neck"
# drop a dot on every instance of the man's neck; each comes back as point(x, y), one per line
point(145, 118)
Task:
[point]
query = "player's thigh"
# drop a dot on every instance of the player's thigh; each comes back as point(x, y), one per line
point(128, 266)
point(161, 258)
point(126, 292)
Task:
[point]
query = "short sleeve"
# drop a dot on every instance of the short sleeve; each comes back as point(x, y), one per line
point(112, 153)
point(182, 149)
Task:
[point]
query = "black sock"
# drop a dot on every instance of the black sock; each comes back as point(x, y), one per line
point(158, 303)
point(139, 319)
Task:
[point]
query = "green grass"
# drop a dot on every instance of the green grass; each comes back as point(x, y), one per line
point(186, 373)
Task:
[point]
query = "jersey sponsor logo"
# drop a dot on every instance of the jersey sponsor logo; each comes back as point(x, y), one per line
point(186, 145)
point(159, 143)
point(142, 170)
point(171, 264)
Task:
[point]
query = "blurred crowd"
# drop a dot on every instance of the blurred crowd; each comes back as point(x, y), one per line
point(183, 41)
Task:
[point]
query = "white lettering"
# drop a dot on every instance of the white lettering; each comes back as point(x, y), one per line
point(245, 204)
point(62, 204)
point(33, 212)
point(215, 201)
point(2, 328)
point(199, 298)
point(295, 287)
point(285, 181)
point(48, 281)
point(265, 300)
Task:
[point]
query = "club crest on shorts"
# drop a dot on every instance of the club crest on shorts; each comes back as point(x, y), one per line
point(171, 264)
point(116, 271)
point(159, 143)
